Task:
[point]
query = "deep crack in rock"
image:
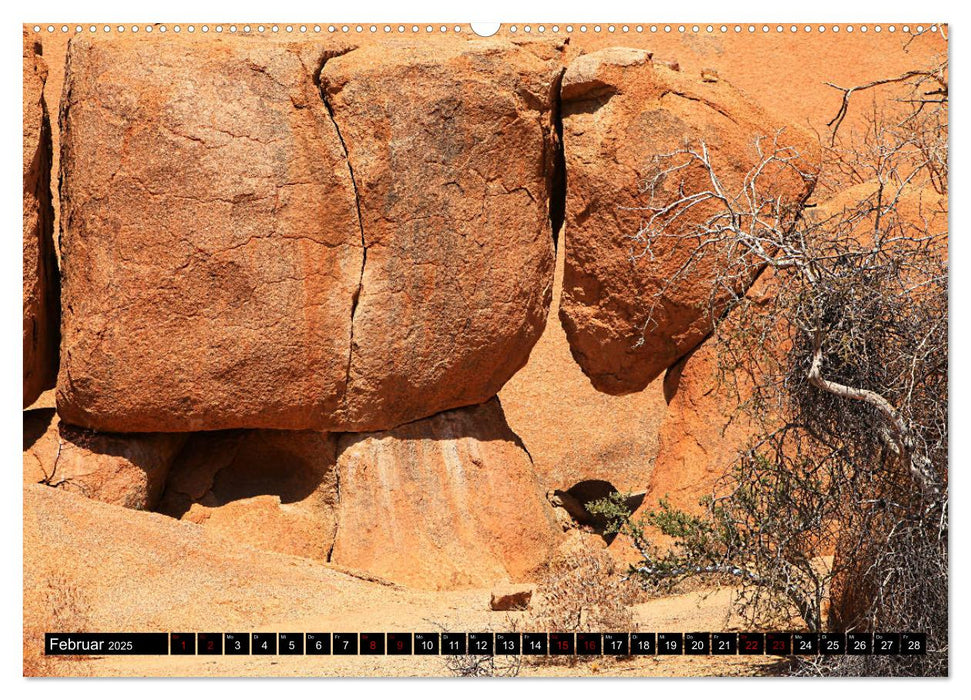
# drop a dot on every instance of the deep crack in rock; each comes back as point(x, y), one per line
point(360, 220)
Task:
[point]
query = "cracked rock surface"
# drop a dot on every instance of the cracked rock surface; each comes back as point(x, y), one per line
point(621, 108)
point(248, 245)
point(209, 238)
point(451, 147)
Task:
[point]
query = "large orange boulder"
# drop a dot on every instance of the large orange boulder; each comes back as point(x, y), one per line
point(40, 265)
point(241, 252)
point(210, 245)
point(270, 489)
point(630, 311)
point(452, 147)
point(126, 470)
point(443, 503)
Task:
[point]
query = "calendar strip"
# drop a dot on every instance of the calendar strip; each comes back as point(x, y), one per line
point(485, 643)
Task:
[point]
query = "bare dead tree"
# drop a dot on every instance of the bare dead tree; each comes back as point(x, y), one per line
point(928, 87)
point(739, 228)
point(842, 361)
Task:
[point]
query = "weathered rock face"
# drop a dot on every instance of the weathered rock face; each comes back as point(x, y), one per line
point(622, 110)
point(40, 266)
point(442, 503)
point(452, 149)
point(705, 429)
point(226, 265)
point(210, 244)
point(126, 470)
point(274, 490)
point(573, 432)
point(702, 435)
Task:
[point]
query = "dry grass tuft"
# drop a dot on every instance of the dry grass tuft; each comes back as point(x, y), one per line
point(63, 609)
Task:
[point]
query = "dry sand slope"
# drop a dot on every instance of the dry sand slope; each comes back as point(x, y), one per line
point(140, 571)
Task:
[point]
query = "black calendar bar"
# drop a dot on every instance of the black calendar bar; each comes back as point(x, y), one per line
point(485, 643)
point(105, 644)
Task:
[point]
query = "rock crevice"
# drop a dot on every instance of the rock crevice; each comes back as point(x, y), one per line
point(360, 220)
point(558, 171)
point(41, 284)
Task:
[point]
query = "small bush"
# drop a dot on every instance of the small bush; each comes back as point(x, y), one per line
point(584, 590)
point(483, 665)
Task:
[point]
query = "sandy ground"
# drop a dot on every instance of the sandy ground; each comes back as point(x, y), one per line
point(137, 571)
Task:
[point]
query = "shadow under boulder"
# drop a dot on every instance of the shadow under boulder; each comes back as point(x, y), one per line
point(274, 490)
point(122, 469)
